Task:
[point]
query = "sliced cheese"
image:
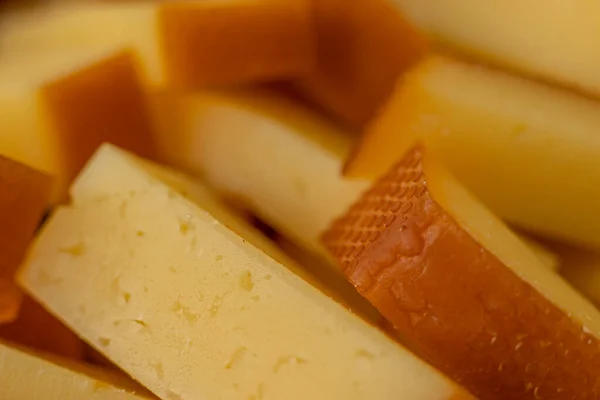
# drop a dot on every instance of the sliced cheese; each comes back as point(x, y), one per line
point(63, 105)
point(179, 43)
point(553, 40)
point(362, 48)
point(25, 376)
point(24, 196)
point(457, 283)
point(279, 159)
point(189, 312)
point(36, 328)
point(529, 152)
point(547, 257)
point(581, 268)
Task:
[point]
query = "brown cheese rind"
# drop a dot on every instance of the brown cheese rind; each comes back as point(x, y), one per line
point(469, 314)
point(24, 195)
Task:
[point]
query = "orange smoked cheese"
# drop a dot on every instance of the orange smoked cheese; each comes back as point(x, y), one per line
point(24, 194)
point(463, 308)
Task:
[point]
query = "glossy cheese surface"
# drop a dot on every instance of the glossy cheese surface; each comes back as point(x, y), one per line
point(188, 307)
point(179, 43)
point(464, 290)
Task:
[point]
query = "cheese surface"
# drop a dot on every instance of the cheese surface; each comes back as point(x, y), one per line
point(553, 40)
point(280, 160)
point(528, 151)
point(26, 376)
point(65, 104)
point(179, 43)
point(187, 307)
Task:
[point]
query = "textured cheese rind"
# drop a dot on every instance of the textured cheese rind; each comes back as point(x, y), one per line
point(362, 47)
point(528, 151)
point(281, 160)
point(189, 311)
point(549, 39)
point(24, 196)
point(472, 298)
point(27, 376)
point(179, 43)
point(64, 105)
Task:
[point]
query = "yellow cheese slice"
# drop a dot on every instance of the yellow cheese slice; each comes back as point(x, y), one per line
point(279, 159)
point(528, 151)
point(25, 375)
point(179, 43)
point(581, 268)
point(56, 108)
point(554, 40)
point(188, 308)
point(548, 258)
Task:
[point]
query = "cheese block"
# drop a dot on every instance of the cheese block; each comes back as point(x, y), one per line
point(64, 105)
point(282, 161)
point(187, 307)
point(24, 195)
point(581, 268)
point(180, 43)
point(362, 48)
point(552, 40)
point(511, 141)
point(36, 328)
point(25, 375)
point(464, 290)
point(547, 257)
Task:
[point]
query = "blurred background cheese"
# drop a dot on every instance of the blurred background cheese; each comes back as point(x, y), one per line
point(553, 40)
point(363, 46)
point(528, 151)
point(25, 375)
point(191, 322)
point(24, 196)
point(64, 105)
point(179, 43)
point(280, 160)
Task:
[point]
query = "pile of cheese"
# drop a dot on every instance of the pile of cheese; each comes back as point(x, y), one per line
point(299, 199)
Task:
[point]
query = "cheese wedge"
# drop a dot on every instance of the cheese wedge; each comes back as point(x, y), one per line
point(455, 281)
point(362, 48)
point(25, 375)
point(511, 141)
point(581, 268)
point(36, 328)
point(24, 196)
point(279, 159)
point(180, 43)
point(64, 105)
point(549, 39)
point(187, 307)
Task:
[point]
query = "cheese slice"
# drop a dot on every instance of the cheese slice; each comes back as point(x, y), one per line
point(187, 307)
point(363, 46)
point(462, 288)
point(25, 375)
point(63, 105)
point(528, 151)
point(24, 196)
point(548, 258)
point(179, 43)
point(279, 159)
point(548, 39)
point(581, 268)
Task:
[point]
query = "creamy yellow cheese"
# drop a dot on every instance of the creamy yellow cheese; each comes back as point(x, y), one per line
point(282, 161)
point(192, 311)
point(181, 43)
point(556, 40)
point(548, 258)
point(25, 375)
point(56, 108)
point(581, 268)
point(528, 151)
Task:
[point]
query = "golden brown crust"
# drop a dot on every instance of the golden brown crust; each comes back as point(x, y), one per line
point(464, 310)
point(24, 195)
point(234, 42)
point(104, 102)
point(364, 45)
